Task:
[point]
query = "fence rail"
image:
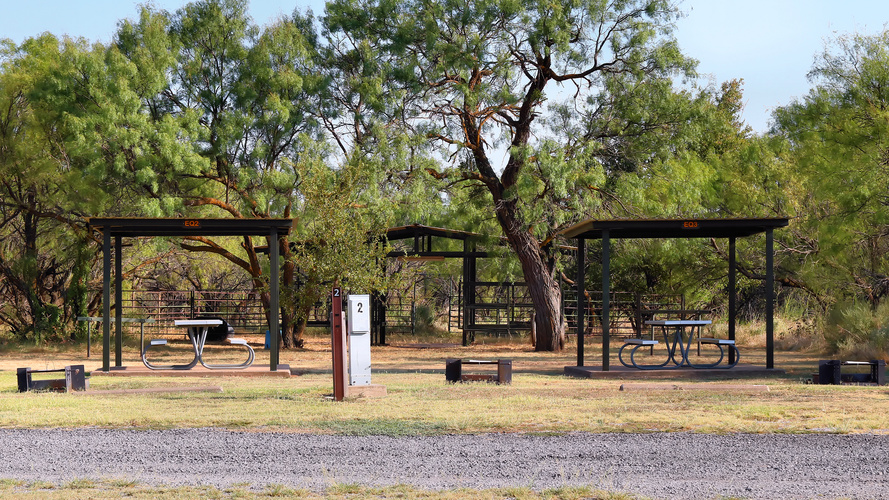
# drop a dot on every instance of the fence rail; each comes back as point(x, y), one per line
point(498, 309)
point(243, 310)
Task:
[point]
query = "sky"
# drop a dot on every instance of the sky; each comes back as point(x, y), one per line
point(770, 44)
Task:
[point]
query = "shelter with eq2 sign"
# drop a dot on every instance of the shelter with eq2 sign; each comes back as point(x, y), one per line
point(732, 229)
point(137, 227)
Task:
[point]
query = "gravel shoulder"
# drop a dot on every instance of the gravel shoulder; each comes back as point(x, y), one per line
point(662, 465)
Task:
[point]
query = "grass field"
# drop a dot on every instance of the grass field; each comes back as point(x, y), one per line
point(541, 400)
point(419, 401)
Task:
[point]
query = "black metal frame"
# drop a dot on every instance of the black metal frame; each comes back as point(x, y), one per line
point(732, 229)
point(423, 248)
point(120, 227)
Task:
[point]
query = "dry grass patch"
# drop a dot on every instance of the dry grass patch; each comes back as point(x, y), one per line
point(420, 402)
point(77, 490)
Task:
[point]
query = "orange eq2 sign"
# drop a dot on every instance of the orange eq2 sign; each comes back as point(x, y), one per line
point(191, 223)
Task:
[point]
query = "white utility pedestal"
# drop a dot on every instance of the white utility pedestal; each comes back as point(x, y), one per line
point(359, 339)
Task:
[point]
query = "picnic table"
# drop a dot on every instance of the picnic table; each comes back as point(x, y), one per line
point(674, 333)
point(197, 333)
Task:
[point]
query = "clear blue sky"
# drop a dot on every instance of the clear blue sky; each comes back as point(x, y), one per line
point(771, 44)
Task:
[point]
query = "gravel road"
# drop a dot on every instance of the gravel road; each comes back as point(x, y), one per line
point(668, 465)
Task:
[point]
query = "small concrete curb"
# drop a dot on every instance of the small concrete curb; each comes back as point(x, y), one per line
point(695, 387)
point(149, 390)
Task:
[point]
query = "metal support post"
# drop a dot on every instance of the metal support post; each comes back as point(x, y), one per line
point(106, 300)
point(581, 298)
point(118, 299)
point(732, 294)
point(606, 300)
point(770, 300)
point(274, 306)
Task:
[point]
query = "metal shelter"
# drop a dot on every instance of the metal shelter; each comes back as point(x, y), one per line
point(118, 228)
point(423, 249)
point(732, 229)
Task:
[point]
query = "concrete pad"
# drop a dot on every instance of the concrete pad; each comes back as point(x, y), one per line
point(141, 370)
point(695, 387)
point(366, 391)
point(623, 372)
point(148, 390)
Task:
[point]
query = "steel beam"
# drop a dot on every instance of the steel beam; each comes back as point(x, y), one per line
point(118, 299)
point(770, 300)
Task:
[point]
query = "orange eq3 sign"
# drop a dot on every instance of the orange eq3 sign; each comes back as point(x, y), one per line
point(690, 224)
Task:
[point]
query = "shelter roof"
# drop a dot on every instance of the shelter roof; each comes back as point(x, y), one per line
point(146, 226)
point(672, 228)
point(413, 230)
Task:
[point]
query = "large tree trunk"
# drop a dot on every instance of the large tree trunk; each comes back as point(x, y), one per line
point(546, 295)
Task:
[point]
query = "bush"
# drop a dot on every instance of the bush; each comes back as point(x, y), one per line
point(424, 319)
point(857, 331)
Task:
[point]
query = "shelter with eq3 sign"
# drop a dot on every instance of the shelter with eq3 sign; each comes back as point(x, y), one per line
point(606, 230)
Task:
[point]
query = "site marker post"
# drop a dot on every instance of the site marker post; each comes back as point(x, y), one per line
point(338, 344)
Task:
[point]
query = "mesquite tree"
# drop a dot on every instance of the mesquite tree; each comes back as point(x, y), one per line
point(517, 98)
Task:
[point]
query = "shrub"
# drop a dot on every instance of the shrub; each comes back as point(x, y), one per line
point(857, 331)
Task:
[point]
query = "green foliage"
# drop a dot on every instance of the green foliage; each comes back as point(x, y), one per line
point(479, 79)
point(835, 140)
point(339, 230)
point(503, 117)
point(43, 194)
point(855, 330)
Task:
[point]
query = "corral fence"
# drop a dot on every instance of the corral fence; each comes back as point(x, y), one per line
point(242, 310)
point(498, 309)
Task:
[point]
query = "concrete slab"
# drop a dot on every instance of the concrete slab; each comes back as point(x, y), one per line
point(141, 370)
point(706, 386)
point(622, 372)
point(149, 390)
point(366, 391)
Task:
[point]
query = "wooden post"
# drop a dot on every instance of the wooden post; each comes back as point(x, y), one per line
point(338, 344)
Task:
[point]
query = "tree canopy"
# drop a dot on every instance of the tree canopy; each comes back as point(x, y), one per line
point(505, 117)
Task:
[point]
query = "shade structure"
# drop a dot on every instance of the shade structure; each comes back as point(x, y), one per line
point(423, 248)
point(131, 227)
point(606, 230)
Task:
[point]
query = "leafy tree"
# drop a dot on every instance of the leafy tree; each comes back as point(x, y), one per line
point(240, 95)
point(196, 113)
point(44, 257)
point(837, 138)
point(480, 75)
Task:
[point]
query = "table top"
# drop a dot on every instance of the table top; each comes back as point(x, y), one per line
point(197, 322)
point(679, 322)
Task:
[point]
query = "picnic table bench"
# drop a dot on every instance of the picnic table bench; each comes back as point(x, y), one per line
point(197, 334)
point(674, 336)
